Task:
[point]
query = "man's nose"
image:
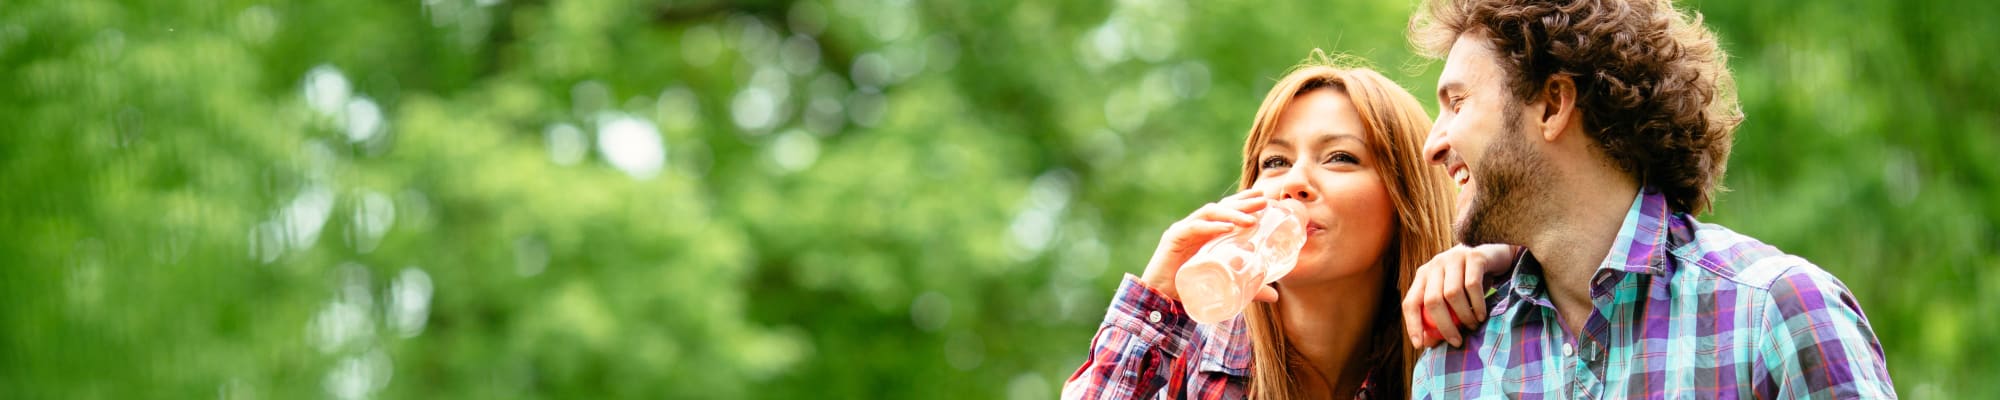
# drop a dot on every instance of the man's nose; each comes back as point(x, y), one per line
point(1435, 147)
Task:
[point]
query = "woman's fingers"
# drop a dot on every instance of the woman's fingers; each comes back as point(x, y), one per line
point(1177, 245)
point(1433, 334)
point(1454, 292)
point(1252, 205)
point(1267, 294)
point(1185, 237)
point(1435, 308)
point(1248, 200)
point(1246, 194)
point(1235, 209)
point(1231, 211)
point(1201, 228)
point(1451, 288)
point(1416, 319)
point(1247, 205)
point(1475, 287)
point(1189, 235)
point(1413, 312)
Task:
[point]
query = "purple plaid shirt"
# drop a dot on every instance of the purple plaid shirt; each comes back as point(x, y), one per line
point(1681, 309)
point(1148, 348)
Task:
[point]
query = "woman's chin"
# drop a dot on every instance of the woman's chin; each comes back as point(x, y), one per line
point(1313, 268)
point(1308, 268)
point(1308, 260)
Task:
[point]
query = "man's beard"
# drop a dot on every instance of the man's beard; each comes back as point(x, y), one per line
point(1499, 211)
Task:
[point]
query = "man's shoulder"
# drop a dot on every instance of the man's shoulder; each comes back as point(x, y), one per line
point(1719, 252)
point(1806, 326)
point(1790, 283)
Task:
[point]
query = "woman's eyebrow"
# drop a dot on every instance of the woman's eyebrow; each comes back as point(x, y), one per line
point(1322, 139)
point(1279, 143)
point(1325, 139)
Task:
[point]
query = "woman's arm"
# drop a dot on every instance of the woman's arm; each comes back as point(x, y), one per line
point(1137, 350)
point(1448, 294)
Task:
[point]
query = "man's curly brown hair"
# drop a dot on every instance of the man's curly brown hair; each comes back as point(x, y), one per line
point(1652, 82)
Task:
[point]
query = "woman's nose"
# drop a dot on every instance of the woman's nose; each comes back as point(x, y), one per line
point(1296, 188)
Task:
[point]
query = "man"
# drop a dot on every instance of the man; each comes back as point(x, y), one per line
point(1589, 133)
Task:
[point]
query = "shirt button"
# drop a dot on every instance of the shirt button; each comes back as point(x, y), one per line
point(1154, 317)
point(1567, 349)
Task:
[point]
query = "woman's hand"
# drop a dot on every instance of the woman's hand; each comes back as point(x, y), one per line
point(1185, 237)
point(1448, 294)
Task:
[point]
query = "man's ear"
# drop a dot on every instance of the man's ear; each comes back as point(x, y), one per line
point(1558, 106)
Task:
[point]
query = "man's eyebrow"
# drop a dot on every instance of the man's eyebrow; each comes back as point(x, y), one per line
point(1449, 87)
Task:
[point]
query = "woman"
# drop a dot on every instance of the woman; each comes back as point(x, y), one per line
point(1345, 142)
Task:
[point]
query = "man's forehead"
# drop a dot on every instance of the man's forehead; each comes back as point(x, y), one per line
point(1469, 60)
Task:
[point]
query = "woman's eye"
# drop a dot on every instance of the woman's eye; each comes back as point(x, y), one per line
point(1342, 157)
point(1274, 162)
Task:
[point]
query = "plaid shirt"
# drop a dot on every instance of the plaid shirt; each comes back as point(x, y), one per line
point(1148, 348)
point(1680, 310)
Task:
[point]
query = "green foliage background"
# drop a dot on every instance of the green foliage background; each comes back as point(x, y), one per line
point(824, 198)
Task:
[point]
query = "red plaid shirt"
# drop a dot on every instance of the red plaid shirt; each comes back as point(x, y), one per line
point(1148, 348)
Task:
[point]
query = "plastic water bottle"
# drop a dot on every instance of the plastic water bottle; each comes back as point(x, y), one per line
point(1221, 279)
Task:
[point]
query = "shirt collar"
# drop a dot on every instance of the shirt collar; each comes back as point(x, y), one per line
point(1639, 248)
point(1642, 238)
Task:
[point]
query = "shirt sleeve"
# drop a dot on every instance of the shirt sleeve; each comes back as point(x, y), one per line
point(1132, 356)
point(1817, 342)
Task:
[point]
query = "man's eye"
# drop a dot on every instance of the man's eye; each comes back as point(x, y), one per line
point(1274, 162)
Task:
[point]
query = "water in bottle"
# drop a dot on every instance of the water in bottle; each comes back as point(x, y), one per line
point(1220, 280)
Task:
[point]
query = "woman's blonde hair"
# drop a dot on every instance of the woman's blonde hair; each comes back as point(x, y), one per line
point(1395, 125)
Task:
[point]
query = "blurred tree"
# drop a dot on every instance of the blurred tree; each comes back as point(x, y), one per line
point(840, 198)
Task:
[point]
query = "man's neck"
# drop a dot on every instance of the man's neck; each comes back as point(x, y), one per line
point(1583, 223)
point(1329, 323)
